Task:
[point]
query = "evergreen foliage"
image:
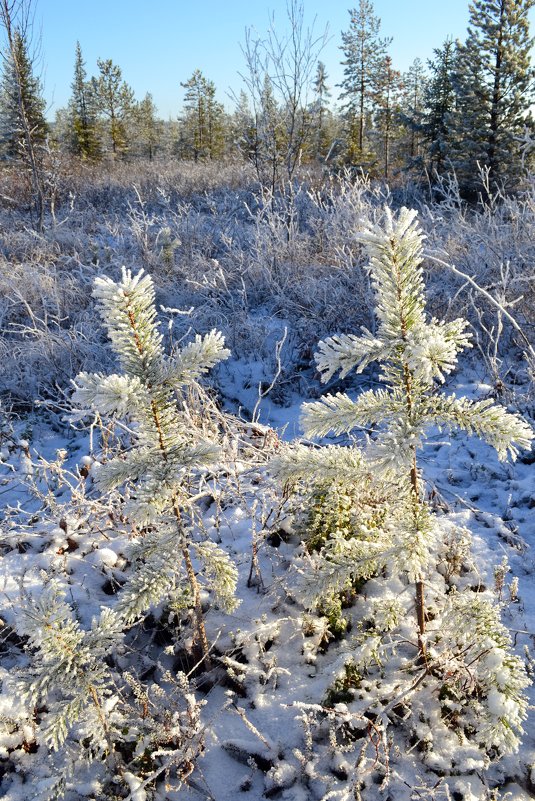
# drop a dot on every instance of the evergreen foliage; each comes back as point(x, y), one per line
point(115, 100)
point(495, 83)
point(165, 449)
point(83, 112)
point(148, 127)
point(203, 121)
point(416, 355)
point(22, 106)
point(436, 120)
point(364, 52)
point(320, 110)
point(468, 115)
point(414, 86)
point(387, 115)
point(92, 714)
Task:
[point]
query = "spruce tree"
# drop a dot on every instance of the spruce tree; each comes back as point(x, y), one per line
point(467, 131)
point(21, 102)
point(23, 129)
point(320, 111)
point(164, 453)
point(440, 100)
point(83, 112)
point(496, 74)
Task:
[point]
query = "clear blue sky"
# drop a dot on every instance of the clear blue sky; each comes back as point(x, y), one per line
point(158, 44)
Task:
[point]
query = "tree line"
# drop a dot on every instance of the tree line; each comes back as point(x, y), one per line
point(467, 108)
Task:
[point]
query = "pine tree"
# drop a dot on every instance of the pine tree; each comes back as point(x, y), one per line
point(90, 710)
point(115, 101)
point(496, 73)
point(364, 53)
point(466, 685)
point(415, 354)
point(387, 118)
point(148, 129)
point(203, 121)
point(83, 112)
point(165, 452)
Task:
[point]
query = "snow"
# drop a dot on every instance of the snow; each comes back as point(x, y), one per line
point(282, 665)
point(265, 729)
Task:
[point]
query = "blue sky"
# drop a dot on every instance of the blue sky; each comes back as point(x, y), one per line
point(158, 44)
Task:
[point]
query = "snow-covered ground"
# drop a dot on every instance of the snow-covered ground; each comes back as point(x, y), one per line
point(266, 728)
point(254, 742)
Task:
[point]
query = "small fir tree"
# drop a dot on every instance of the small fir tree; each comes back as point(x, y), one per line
point(22, 106)
point(164, 453)
point(23, 129)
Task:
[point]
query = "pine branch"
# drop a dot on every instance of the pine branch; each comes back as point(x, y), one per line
point(346, 352)
point(118, 395)
point(340, 414)
point(330, 463)
point(195, 359)
point(506, 433)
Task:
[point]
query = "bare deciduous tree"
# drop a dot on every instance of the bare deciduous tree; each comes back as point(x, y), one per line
point(280, 71)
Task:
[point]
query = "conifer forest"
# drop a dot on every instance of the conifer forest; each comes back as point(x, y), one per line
point(267, 420)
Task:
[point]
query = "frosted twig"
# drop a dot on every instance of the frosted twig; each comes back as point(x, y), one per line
point(263, 393)
point(488, 296)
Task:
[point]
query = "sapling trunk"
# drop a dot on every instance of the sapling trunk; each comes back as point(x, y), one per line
point(415, 489)
point(419, 600)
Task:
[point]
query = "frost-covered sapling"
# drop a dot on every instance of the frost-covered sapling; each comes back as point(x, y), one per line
point(416, 354)
point(464, 686)
point(166, 451)
point(82, 718)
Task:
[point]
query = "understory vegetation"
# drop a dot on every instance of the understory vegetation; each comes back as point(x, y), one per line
point(199, 602)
